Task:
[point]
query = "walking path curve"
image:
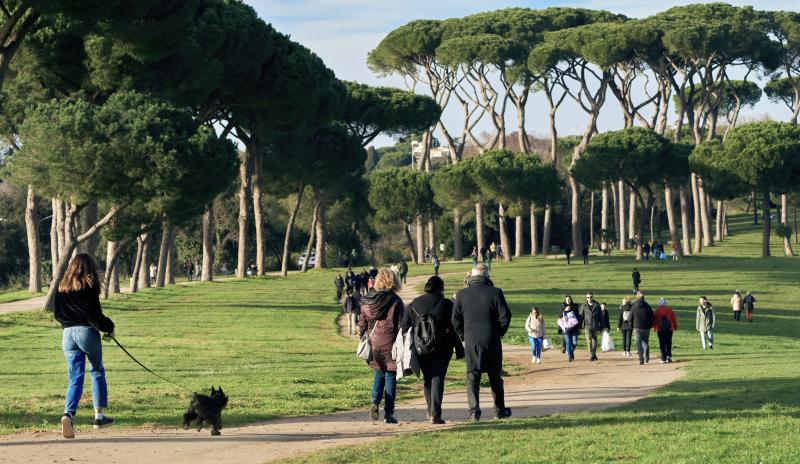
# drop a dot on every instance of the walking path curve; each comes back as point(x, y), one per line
point(536, 390)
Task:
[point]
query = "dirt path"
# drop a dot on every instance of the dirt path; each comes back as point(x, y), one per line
point(536, 390)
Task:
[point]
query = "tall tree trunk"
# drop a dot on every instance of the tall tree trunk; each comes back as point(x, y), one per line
point(765, 211)
point(258, 215)
point(432, 236)
point(686, 247)
point(534, 231)
point(34, 248)
point(312, 231)
point(604, 214)
point(652, 223)
point(144, 270)
point(171, 264)
point(137, 265)
point(623, 231)
point(412, 250)
point(289, 226)
point(705, 215)
point(479, 226)
point(244, 181)
point(591, 219)
point(633, 215)
point(163, 252)
point(88, 218)
point(62, 211)
point(111, 275)
point(755, 208)
point(54, 253)
point(504, 240)
point(718, 223)
point(458, 243)
point(725, 231)
point(518, 234)
point(615, 204)
point(787, 241)
point(420, 240)
point(670, 206)
point(322, 224)
point(575, 216)
point(207, 273)
point(698, 228)
point(548, 227)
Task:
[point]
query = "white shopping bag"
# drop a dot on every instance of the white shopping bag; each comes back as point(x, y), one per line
point(608, 342)
point(546, 344)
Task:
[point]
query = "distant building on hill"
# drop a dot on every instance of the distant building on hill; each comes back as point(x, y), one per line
point(441, 154)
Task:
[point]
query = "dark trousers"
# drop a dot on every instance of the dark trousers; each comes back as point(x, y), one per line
point(338, 294)
point(626, 340)
point(665, 343)
point(473, 388)
point(591, 342)
point(568, 262)
point(434, 370)
point(737, 315)
point(636, 286)
point(585, 260)
point(642, 344)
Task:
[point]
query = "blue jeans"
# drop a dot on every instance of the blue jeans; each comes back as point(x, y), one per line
point(384, 382)
point(570, 342)
point(536, 346)
point(78, 343)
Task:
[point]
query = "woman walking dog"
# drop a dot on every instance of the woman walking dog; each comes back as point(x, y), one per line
point(77, 308)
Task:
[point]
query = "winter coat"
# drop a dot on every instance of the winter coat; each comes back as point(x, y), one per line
point(705, 320)
point(606, 325)
point(481, 317)
point(591, 316)
point(441, 310)
point(623, 324)
point(665, 313)
point(736, 302)
point(339, 282)
point(350, 305)
point(535, 327)
point(81, 308)
point(748, 302)
point(637, 277)
point(570, 308)
point(405, 358)
point(384, 309)
point(641, 315)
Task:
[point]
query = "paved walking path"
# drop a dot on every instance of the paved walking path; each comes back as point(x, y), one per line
point(535, 390)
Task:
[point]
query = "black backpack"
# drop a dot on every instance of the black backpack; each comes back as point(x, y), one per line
point(424, 334)
point(665, 325)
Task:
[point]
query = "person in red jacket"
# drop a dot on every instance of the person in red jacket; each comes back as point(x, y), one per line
point(664, 323)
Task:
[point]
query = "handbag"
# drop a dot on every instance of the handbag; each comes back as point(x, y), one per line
point(546, 345)
point(608, 342)
point(364, 350)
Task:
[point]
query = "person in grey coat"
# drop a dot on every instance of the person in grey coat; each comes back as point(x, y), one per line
point(481, 318)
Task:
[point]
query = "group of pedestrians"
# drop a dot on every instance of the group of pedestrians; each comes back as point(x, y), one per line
point(471, 326)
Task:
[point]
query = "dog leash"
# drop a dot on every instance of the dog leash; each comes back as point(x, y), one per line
point(145, 367)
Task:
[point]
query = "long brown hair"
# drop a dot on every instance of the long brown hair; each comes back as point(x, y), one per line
point(81, 273)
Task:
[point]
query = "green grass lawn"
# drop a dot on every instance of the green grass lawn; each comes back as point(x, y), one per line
point(738, 403)
point(7, 296)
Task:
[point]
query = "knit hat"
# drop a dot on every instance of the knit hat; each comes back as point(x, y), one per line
point(662, 301)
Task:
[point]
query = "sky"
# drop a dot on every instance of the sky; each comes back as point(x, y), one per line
point(342, 32)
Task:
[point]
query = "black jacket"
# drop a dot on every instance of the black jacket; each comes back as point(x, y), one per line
point(642, 315)
point(623, 324)
point(748, 302)
point(591, 316)
point(637, 278)
point(441, 309)
point(481, 317)
point(351, 305)
point(606, 325)
point(81, 308)
point(339, 282)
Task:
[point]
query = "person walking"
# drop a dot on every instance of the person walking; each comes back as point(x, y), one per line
point(534, 325)
point(642, 322)
point(350, 279)
point(592, 318)
point(568, 251)
point(434, 307)
point(338, 281)
point(585, 253)
point(493, 250)
point(481, 318)
point(403, 271)
point(189, 270)
point(625, 326)
point(569, 322)
point(646, 251)
point(606, 343)
point(637, 279)
point(749, 304)
point(382, 312)
point(350, 309)
point(153, 271)
point(436, 265)
point(676, 249)
point(705, 322)
point(474, 256)
point(737, 304)
point(77, 308)
point(664, 324)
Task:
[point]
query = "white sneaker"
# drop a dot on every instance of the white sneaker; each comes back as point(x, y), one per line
point(533, 360)
point(538, 360)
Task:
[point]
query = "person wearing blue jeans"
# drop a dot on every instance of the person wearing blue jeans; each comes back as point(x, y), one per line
point(570, 325)
point(535, 327)
point(77, 308)
point(384, 386)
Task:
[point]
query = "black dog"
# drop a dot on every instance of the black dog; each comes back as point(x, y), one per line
point(206, 409)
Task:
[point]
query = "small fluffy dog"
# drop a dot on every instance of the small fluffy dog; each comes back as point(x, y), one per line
point(206, 409)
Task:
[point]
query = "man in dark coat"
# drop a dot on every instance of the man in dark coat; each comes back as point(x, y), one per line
point(637, 279)
point(339, 283)
point(568, 251)
point(642, 321)
point(592, 317)
point(480, 318)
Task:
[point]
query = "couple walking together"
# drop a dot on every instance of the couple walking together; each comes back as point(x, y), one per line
point(479, 317)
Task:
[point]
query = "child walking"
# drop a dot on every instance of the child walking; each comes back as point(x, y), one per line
point(536, 333)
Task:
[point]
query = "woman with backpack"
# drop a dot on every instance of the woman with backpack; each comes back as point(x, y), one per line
point(429, 316)
point(737, 302)
point(665, 323)
point(536, 333)
point(570, 324)
point(382, 310)
point(705, 322)
point(749, 303)
point(624, 325)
